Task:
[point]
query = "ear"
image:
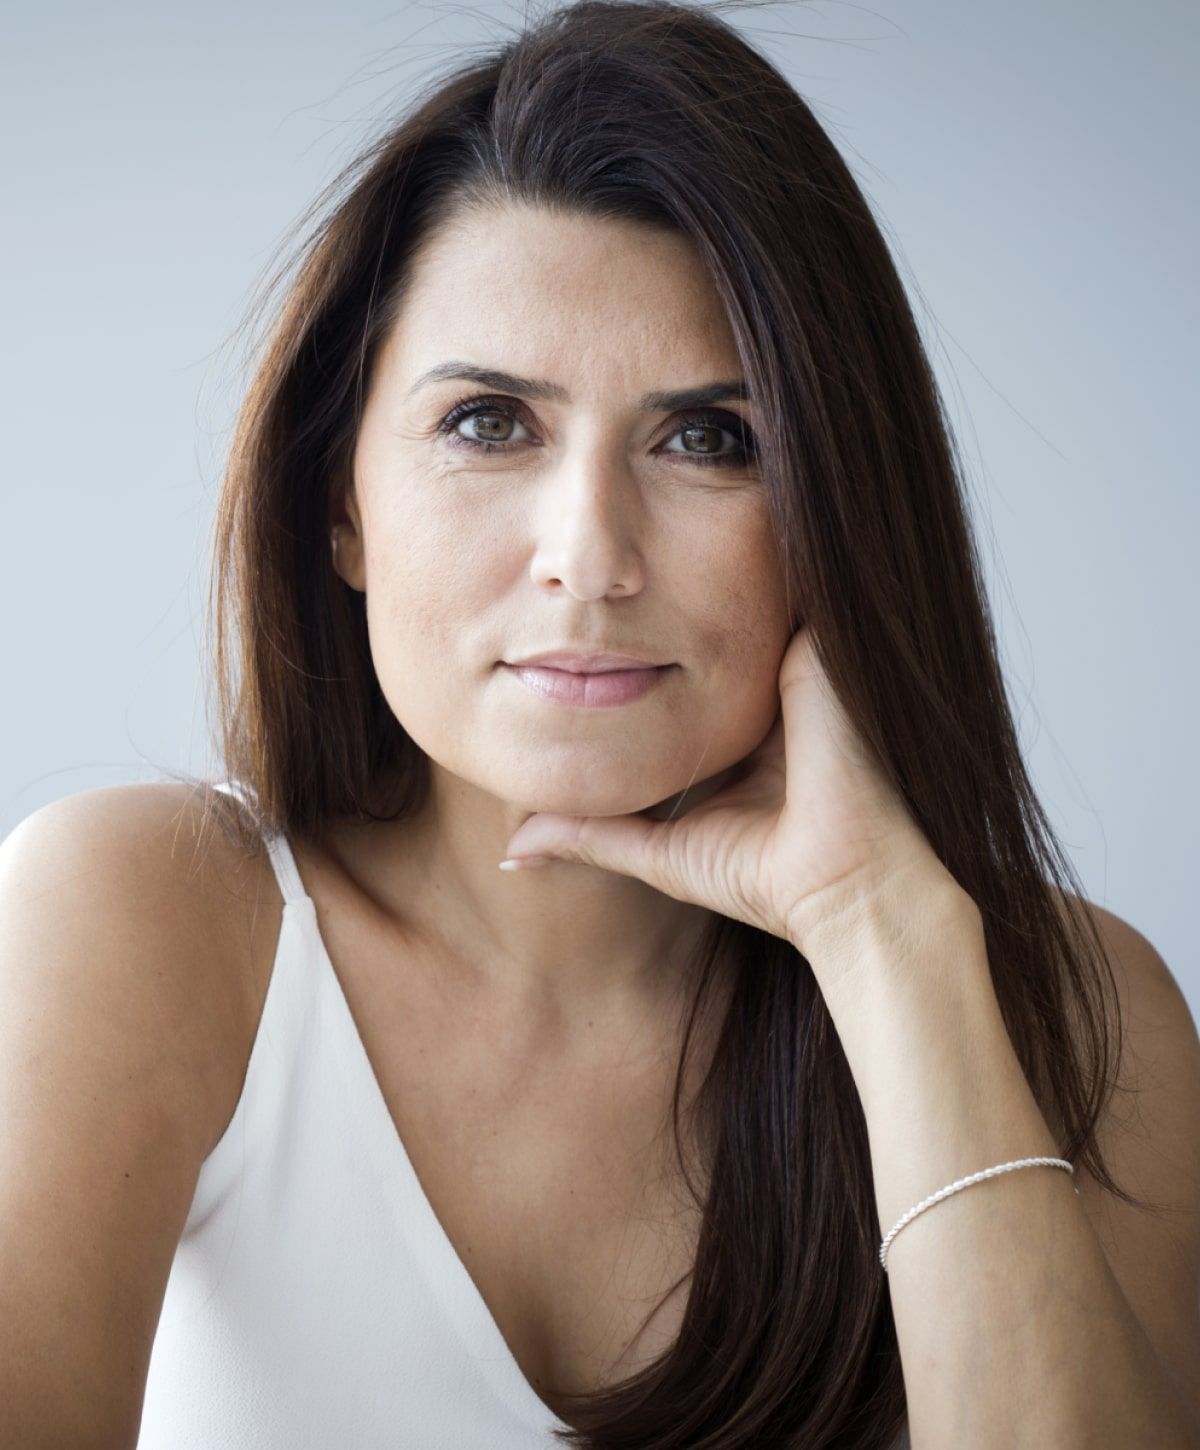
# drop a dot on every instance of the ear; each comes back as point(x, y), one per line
point(346, 543)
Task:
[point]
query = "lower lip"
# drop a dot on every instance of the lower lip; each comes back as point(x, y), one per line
point(612, 687)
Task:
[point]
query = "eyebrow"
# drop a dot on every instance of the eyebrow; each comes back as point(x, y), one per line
point(539, 390)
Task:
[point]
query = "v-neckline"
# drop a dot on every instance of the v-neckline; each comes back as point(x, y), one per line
point(447, 1274)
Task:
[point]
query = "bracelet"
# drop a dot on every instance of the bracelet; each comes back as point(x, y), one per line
point(966, 1183)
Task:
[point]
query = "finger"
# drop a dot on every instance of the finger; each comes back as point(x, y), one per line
point(817, 730)
point(626, 844)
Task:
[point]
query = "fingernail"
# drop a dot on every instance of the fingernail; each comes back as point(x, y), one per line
point(520, 863)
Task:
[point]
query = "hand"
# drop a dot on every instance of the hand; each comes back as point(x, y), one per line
point(808, 830)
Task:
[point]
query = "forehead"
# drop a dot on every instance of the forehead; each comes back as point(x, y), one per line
point(562, 295)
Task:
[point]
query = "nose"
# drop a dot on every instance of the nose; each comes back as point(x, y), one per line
point(586, 532)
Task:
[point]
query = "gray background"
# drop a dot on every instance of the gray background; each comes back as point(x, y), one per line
point(1033, 165)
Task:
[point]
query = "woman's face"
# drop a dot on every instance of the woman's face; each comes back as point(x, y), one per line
point(591, 521)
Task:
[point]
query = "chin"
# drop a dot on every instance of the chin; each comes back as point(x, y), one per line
point(681, 801)
point(619, 802)
point(572, 803)
point(602, 793)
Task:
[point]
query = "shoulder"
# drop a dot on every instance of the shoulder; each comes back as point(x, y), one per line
point(159, 870)
point(1149, 1000)
point(1149, 1136)
point(1151, 1015)
point(124, 918)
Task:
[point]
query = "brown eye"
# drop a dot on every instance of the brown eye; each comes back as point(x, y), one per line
point(708, 435)
point(490, 425)
point(706, 430)
point(491, 421)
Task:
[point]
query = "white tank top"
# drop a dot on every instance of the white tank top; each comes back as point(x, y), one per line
point(315, 1302)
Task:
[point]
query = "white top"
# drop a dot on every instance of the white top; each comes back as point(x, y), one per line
point(315, 1301)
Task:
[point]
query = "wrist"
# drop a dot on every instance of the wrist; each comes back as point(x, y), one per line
point(906, 989)
point(907, 914)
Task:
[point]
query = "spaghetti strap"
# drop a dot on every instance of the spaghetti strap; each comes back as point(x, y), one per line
point(280, 852)
point(285, 868)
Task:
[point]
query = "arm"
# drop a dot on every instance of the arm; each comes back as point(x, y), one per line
point(111, 1065)
point(1013, 1329)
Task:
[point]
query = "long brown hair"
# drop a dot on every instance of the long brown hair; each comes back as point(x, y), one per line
point(662, 113)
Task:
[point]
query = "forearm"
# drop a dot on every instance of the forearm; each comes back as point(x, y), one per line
point(1012, 1329)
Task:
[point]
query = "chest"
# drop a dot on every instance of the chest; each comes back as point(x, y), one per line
point(579, 1243)
point(555, 1180)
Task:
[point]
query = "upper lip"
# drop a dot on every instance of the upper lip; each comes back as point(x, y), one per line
point(578, 663)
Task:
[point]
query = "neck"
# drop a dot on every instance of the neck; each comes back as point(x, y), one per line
point(562, 942)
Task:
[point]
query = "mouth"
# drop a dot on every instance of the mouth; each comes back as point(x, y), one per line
point(587, 689)
point(587, 662)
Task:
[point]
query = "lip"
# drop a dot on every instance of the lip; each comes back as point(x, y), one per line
point(580, 688)
point(583, 663)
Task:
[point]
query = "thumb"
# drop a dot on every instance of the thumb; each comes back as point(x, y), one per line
point(625, 844)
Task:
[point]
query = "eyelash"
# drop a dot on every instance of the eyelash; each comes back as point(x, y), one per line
point(741, 456)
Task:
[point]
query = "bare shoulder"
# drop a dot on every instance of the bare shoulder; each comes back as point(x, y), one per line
point(1151, 1020)
point(1151, 1012)
point(153, 865)
point(131, 931)
point(1149, 1135)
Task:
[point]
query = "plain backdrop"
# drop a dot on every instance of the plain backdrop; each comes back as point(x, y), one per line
point(1033, 166)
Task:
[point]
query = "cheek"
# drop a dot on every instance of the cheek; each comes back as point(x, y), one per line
point(429, 566)
point(736, 596)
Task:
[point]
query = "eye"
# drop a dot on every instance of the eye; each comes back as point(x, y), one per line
point(702, 429)
point(698, 425)
point(489, 410)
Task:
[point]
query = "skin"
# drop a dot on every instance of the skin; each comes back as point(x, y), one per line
point(596, 528)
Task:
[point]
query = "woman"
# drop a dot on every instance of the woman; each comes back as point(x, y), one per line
point(592, 503)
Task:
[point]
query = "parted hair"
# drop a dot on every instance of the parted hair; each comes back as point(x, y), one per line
point(664, 114)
